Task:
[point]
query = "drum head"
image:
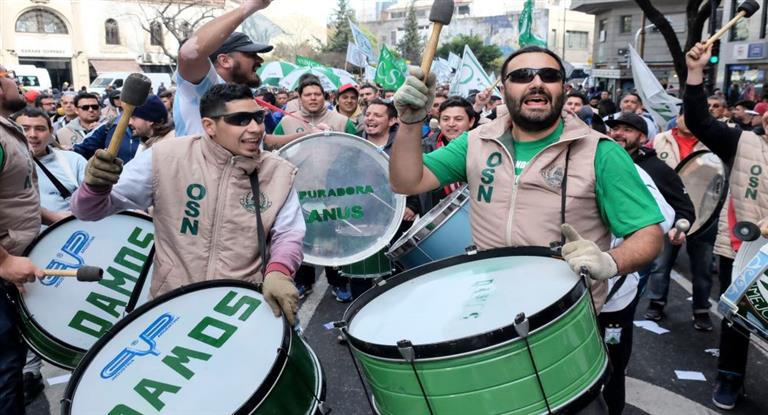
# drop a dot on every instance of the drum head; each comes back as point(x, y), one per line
point(207, 348)
point(747, 251)
point(706, 180)
point(343, 185)
point(461, 297)
point(79, 313)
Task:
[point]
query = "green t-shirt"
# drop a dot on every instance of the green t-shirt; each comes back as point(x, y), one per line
point(2, 157)
point(625, 203)
point(349, 128)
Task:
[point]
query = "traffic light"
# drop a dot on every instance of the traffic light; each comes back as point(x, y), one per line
point(715, 58)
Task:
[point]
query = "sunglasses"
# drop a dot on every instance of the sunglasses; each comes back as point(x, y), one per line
point(8, 74)
point(94, 107)
point(525, 75)
point(714, 105)
point(242, 119)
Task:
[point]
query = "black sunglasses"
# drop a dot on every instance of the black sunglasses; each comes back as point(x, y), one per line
point(89, 107)
point(242, 119)
point(525, 75)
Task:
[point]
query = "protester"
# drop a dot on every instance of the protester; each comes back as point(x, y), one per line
point(70, 111)
point(87, 120)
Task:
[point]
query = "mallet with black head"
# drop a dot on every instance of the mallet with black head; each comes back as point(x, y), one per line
point(135, 92)
point(85, 273)
point(440, 15)
point(745, 10)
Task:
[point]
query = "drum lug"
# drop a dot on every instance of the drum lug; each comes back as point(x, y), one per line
point(405, 347)
point(323, 409)
point(521, 325)
point(380, 281)
point(470, 250)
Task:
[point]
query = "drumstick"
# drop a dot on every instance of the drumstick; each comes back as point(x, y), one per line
point(278, 109)
point(746, 9)
point(681, 225)
point(135, 91)
point(440, 15)
point(84, 273)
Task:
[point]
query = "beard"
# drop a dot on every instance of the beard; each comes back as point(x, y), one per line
point(537, 121)
point(14, 105)
point(245, 77)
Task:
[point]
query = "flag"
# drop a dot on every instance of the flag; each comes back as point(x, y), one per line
point(454, 60)
point(391, 72)
point(470, 75)
point(662, 106)
point(362, 41)
point(356, 56)
point(442, 70)
point(370, 74)
point(304, 61)
point(525, 28)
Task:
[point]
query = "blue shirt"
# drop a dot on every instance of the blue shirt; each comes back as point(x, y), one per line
point(186, 102)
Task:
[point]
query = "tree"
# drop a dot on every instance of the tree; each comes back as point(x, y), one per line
point(339, 32)
point(697, 12)
point(410, 46)
point(485, 54)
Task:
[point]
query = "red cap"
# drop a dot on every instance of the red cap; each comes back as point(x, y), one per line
point(346, 87)
point(30, 96)
point(761, 108)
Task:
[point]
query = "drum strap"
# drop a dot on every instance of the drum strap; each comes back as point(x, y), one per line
point(65, 193)
point(259, 224)
point(563, 192)
point(615, 288)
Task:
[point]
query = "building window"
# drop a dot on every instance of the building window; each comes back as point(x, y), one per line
point(155, 34)
point(40, 21)
point(463, 9)
point(185, 29)
point(576, 40)
point(741, 30)
point(111, 32)
point(625, 24)
point(601, 27)
point(397, 15)
point(393, 37)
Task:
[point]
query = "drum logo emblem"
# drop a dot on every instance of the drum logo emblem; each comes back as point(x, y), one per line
point(77, 243)
point(249, 204)
point(146, 344)
point(757, 295)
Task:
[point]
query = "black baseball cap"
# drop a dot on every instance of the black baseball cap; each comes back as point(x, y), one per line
point(631, 119)
point(240, 42)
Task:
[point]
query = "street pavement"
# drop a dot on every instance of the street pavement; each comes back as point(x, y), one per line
point(652, 386)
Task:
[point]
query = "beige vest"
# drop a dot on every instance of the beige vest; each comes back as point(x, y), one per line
point(19, 197)
point(528, 214)
point(668, 150)
point(205, 222)
point(748, 187)
point(336, 121)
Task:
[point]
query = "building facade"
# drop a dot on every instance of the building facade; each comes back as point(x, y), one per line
point(744, 55)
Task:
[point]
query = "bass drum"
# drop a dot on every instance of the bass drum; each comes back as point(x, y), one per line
point(706, 179)
point(442, 338)
point(62, 317)
point(350, 211)
point(745, 302)
point(212, 347)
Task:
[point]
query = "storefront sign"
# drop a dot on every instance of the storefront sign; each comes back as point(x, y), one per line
point(749, 51)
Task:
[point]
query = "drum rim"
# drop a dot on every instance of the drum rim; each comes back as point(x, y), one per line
point(469, 344)
point(251, 404)
point(718, 207)
point(391, 230)
point(22, 305)
point(405, 244)
point(730, 305)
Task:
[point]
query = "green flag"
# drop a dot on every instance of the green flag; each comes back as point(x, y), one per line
point(525, 28)
point(304, 61)
point(390, 73)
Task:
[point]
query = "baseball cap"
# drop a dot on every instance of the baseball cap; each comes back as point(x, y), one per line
point(761, 108)
point(347, 87)
point(240, 42)
point(631, 119)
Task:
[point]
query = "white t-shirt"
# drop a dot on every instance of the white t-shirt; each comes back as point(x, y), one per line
point(186, 103)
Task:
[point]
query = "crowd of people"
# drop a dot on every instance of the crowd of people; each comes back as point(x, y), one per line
point(208, 139)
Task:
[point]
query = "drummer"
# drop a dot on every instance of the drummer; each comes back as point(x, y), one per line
point(205, 208)
point(522, 205)
point(19, 224)
point(744, 154)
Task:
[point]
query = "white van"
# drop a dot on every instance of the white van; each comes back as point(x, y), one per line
point(32, 77)
point(116, 80)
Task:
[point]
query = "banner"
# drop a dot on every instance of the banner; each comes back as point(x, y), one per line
point(304, 61)
point(662, 106)
point(370, 74)
point(391, 72)
point(442, 70)
point(362, 41)
point(356, 56)
point(470, 75)
point(454, 60)
point(525, 28)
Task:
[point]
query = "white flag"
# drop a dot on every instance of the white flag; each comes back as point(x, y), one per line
point(441, 69)
point(454, 60)
point(470, 75)
point(362, 42)
point(356, 56)
point(370, 74)
point(662, 106)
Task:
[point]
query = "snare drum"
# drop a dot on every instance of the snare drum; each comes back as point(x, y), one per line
point(706, 180)
point(212, 347)
point(456, 316)
point(443, 232)
point(62, 317)
point(745, 302)
point(349, 208)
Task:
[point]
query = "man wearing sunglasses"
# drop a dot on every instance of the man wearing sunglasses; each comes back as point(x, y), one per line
point(19, 224)
point(88, 116)
point(516, 168)
point(206, 208)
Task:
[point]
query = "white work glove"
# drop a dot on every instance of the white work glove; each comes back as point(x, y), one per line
point(414, 98)
point(763, 225)
point(579, 252)
point(281, 294)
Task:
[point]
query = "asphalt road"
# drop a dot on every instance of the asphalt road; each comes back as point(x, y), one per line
point(652, 385)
